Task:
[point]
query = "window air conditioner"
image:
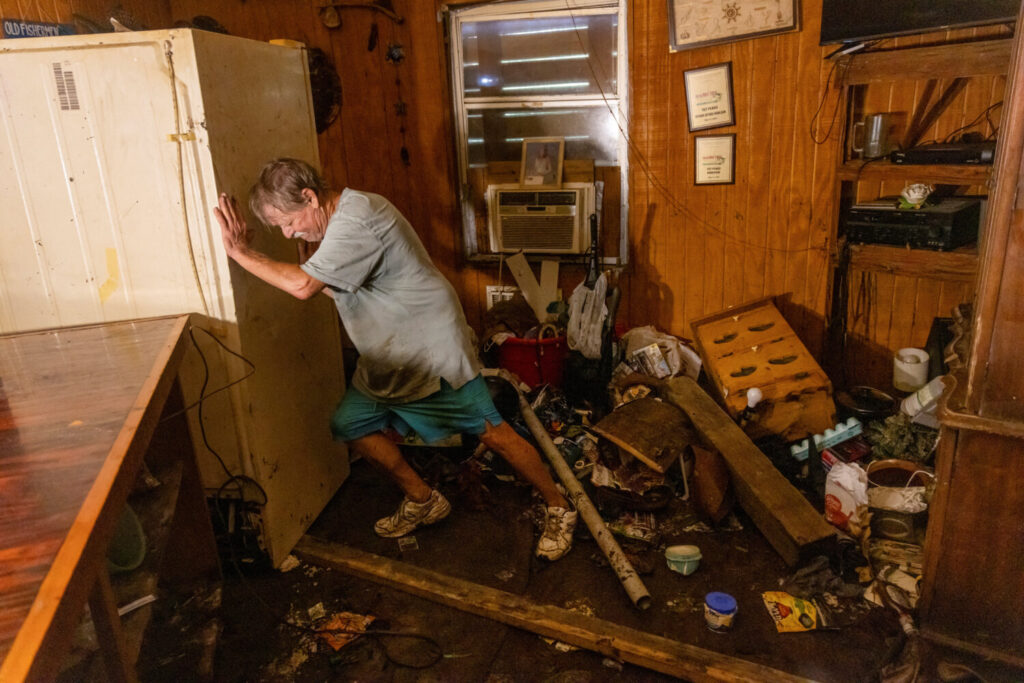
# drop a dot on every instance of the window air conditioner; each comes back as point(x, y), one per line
point(540, 221)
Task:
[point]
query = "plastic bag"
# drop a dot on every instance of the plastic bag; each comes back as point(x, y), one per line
point(910, 499)
point(586, 318)
point(790, 614)
point(846, 493)
point(681, 359)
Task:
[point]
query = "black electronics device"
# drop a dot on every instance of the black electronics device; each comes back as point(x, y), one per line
point(947, 153)
point(950, 223)
point(845, 21)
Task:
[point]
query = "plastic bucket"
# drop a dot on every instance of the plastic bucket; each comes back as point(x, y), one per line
point(534, 361)
point(127, 547)
point(683, 558)
point(893, 485)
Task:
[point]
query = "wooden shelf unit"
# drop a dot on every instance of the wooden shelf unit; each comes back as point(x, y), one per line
point(892, 293)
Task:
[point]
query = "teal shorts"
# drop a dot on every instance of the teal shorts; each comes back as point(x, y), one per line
point(466, 410)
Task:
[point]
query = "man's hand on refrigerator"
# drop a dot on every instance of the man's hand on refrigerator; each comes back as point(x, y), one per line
point(233, 229)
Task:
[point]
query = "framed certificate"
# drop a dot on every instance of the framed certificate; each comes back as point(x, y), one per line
point(709, 101)
point(714, 159)
point(695, 23)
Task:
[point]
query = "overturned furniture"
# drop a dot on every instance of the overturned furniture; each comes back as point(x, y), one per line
point(751, 346)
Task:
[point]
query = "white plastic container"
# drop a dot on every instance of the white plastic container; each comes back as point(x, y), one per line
point(910, 369)
point(924, 399)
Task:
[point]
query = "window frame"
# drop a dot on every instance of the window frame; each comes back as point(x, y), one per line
point(618, 105)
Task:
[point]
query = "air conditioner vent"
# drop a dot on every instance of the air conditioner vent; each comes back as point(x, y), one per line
point(518, 198)
point(520, 232)
point(548, 198)
point(547, 222)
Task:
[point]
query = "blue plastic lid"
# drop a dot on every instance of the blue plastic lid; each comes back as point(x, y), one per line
point(721, 602)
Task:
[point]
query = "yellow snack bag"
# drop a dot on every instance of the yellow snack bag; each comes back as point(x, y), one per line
point(790, 613)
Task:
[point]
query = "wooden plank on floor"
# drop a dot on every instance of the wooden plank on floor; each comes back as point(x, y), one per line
point(608, 638)
point(790, 523)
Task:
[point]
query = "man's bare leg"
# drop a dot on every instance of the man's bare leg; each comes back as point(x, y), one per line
point(383, 453)
point(525, 460)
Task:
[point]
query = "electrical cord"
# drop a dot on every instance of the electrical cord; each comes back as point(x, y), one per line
point(977, 119)
point(240, 481)
point(252, 369)
point(840, 82)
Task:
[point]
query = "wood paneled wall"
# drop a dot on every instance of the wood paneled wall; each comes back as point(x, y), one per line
point(699, 249)
point(693, 250)
point(148, 13)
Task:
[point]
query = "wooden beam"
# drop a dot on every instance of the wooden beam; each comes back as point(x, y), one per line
point(985, 57)
point(919, 113)
point(922, 124)
point(954, 266)
point(940, 174)
point(608, 638)
point(109, 634)
point(791, 524)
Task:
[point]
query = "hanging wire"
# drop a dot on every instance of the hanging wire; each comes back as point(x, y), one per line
point(840, 82)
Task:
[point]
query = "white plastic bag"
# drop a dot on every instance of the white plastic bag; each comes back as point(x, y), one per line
point(681, 359)
point(846, 493)
point(586, 318)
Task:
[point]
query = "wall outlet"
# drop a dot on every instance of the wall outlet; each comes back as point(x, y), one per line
point(496, 293)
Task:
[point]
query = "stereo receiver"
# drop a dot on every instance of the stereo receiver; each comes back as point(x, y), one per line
point(946, 224)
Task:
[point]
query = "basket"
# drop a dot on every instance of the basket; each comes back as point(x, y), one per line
point(534, 361)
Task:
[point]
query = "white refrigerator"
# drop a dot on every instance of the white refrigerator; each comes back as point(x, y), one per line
point(113, 150)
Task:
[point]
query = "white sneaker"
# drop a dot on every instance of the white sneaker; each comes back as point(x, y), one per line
point(411, 515)
point(556, 539)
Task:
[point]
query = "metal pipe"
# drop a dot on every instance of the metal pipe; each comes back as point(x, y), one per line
point(609, 546)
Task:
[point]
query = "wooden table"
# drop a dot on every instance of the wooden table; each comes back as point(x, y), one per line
point(78, 408)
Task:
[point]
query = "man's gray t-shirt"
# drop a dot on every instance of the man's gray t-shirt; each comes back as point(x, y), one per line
point(402, 315)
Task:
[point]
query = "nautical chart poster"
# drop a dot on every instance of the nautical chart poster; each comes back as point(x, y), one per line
point(695, 23)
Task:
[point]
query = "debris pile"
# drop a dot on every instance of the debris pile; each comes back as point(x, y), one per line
point(844, 501)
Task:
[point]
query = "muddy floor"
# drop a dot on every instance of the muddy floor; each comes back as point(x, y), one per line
point(261, 627)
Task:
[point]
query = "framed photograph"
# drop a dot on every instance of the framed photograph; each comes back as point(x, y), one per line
point(709, 102)
point(695, 23)
point(542, 163)
point(714, 159)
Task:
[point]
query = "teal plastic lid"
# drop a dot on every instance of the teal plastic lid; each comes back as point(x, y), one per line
point(723, 603)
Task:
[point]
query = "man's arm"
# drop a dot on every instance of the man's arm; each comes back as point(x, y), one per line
point(285, 276)
point(236, 234)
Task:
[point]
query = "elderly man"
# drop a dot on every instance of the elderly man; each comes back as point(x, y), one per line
point(417, 368)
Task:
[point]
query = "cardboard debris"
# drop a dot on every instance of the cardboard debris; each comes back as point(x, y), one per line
point(639, 526)
point(345, 621)
point(712, 492)
point(289, 563)
point(654, 432)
